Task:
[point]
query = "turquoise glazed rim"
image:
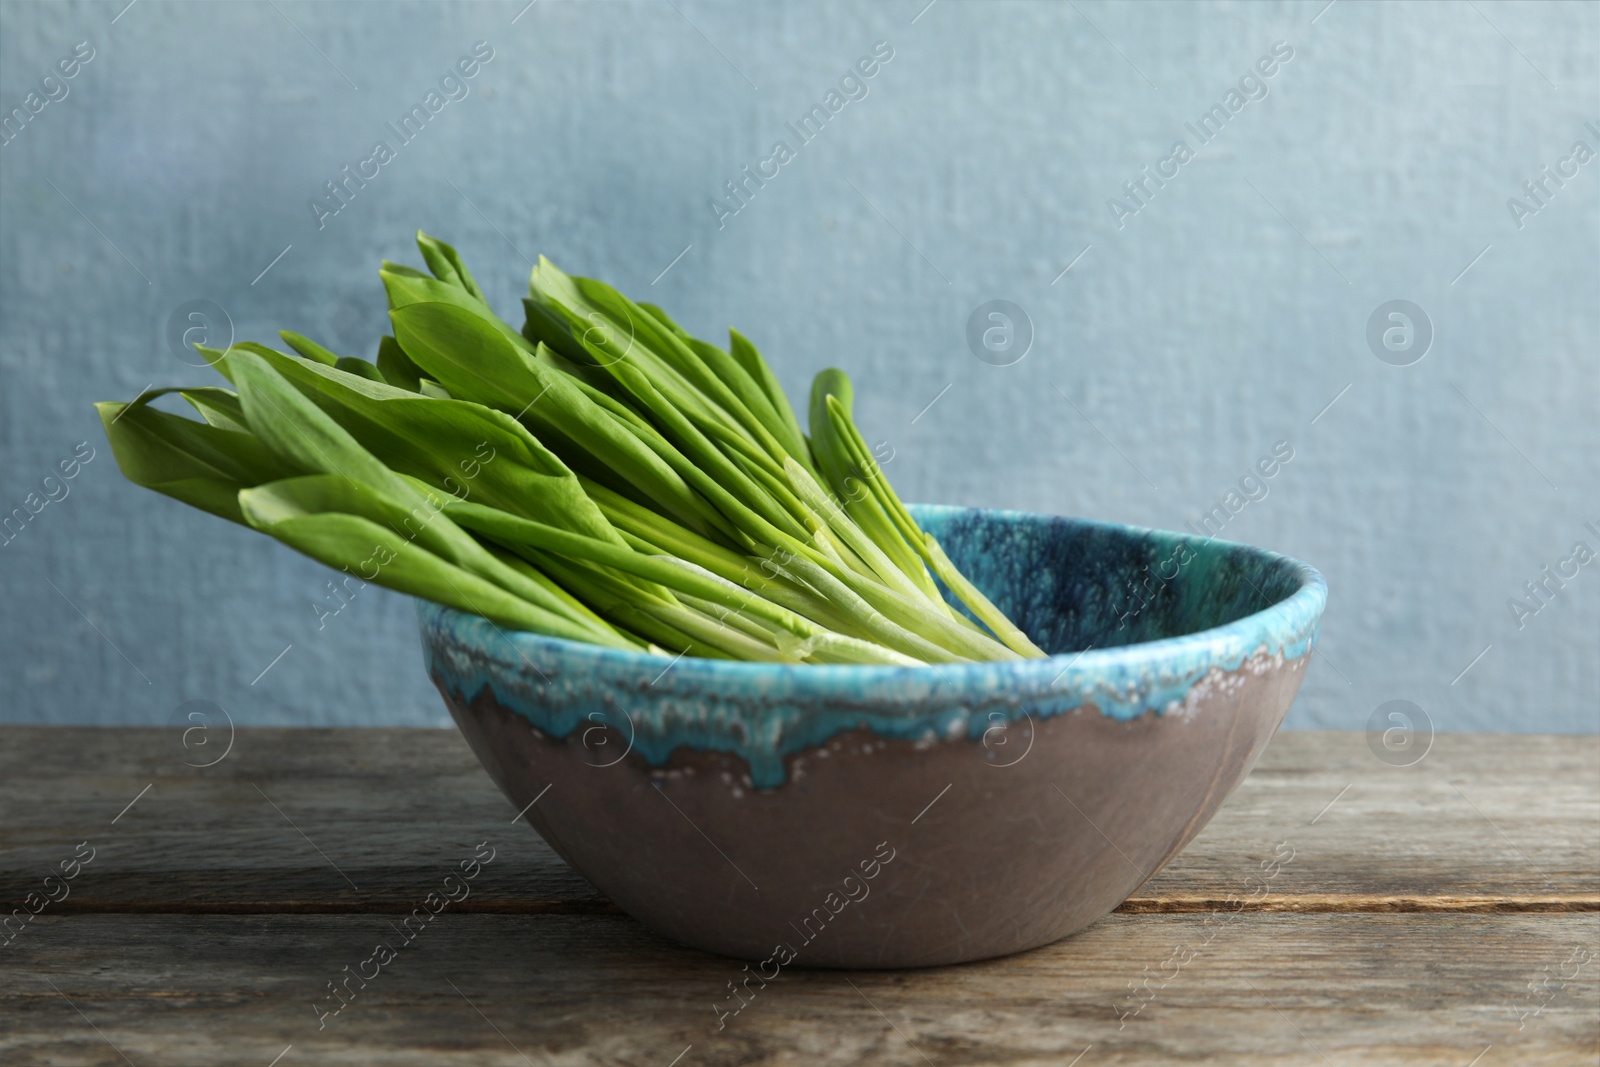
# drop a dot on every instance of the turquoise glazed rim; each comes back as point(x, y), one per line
point(1136, 619)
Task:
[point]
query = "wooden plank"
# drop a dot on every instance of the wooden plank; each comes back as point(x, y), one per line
point(1482, 823)
point(588, 990)
point(356, 820)
point(292, 820)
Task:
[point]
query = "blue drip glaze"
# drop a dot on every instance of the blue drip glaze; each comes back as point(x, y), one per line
point(1065, 582)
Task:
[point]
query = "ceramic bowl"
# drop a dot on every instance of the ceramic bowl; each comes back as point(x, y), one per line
point(852, 816)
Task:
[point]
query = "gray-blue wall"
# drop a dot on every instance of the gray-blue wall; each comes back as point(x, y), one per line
point(1199, 324)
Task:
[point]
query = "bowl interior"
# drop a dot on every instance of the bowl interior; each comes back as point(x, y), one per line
point(1072, 585)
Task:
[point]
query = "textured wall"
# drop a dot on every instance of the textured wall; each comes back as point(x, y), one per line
point(1199, 325)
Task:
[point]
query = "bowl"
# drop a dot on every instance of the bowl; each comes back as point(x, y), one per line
point(865, 816)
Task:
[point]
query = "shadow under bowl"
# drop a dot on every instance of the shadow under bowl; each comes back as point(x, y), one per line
point(855, 816)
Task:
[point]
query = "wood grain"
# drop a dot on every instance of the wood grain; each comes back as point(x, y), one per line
point(588, 990)
point(1429, 915)
point(1484, 823)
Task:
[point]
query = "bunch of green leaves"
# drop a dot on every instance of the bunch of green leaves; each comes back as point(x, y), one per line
point(599, 475)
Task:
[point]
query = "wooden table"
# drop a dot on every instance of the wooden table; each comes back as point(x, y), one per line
point(1444, 913)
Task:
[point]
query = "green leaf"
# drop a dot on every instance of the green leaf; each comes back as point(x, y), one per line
point(511, 529)
point(905, 530)
point(361, 368)
point(844, 528)
point(308, 348)
point(375, 553)
point(702, 465)
point(406, 287)
point(750, 359)
point(898, 629)
point(202, 465)
point(292, 426)
point(973, 598)
point(219, 407)
point(831, 458)
point(298, 432)
point(618, 332)
point(600, 475)
point(831, 390)
point(475, 362)
point(447, 266)
point(460, 448)
point(396, 367)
